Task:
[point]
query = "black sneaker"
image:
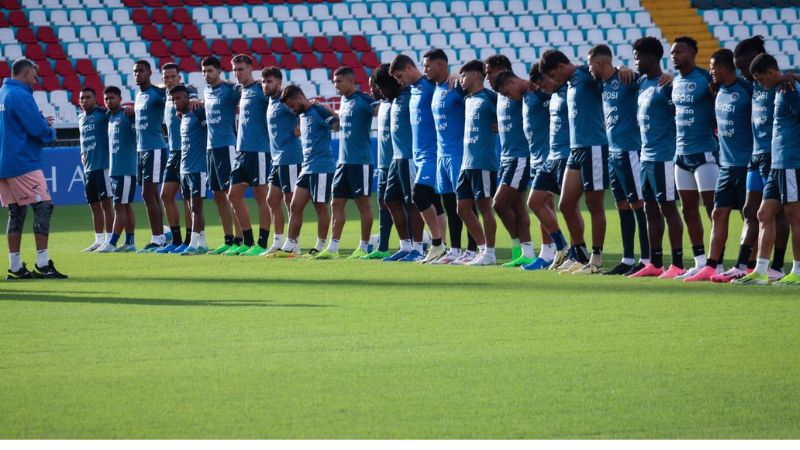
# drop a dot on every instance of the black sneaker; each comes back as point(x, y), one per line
point(22, 274)
point(619, 269)
point(636, 267)
point(48, 271)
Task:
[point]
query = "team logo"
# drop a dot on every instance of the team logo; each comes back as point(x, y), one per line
point(691, 86)
point(735, 96)
point(615, 85)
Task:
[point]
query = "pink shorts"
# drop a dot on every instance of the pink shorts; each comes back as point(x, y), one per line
point(24, 189)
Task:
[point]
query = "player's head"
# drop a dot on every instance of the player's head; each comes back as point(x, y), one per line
point(171, 75)
point(495, 65)
point(600, 62)
point(647, 54)
point(294, 99)
point(683, 52)
point(472, 74)
point(765, 70)
point(510, 85)
point(556, 66)
point(387, 84)
point(271, 80)
point(243, 69)
point(745, 52)
point(180, 96)
point(87, 98)
point(212, 70)
point(344, 80)
point(723, 70)
point(142, 72)
point(112, 97)
point(537, 79)
point(25, 71)
point(434, 63)
point(404, 70)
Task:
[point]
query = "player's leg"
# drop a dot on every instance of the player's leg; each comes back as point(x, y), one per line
point(627, 220)
point(342, 192)
point(484, 188)
point(302, 195)
point(169, 191)
point(719, 229)
point(571, 192)
point(385, 222)
point(689, 195)
point(242, 216)
point(321, 196)
point(216, 175)
point(16, 221)
point(424, 197)
point(151, 169)
point(193, 187)
point(364, 206)
point(595, 180)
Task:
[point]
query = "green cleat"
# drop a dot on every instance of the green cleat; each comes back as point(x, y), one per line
point(327, 255)
point(236, 250)
point(788, 280)
point(753, 278)
point(521, 261)
point(255, 250)
point(377, 254)
point(516, 253)
point(220, 250)
point(358, 254)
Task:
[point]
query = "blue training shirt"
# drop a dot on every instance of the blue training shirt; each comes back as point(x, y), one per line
point(173, 122)
point(23, 130)
point(513, 143)
point(423, 129)
point(193, 142)
point(93, 129)
point(220, 102)
point(252, 135)
point(447, 107)
point(122, 144)
point(786, 129)
point(536, 122)
point(559, 125)
point(656, 118)
point(694, 113)
point(479, 140)
point(734, 128)
point(585, 104)
point(149, 106)
point(619, 107)
point(284, 145)
point(315, 128)
point(763, 109)
point(355, 124)
point(385, 148)
point(401, 126)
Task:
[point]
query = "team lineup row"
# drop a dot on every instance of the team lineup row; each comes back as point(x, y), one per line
point(571, 130)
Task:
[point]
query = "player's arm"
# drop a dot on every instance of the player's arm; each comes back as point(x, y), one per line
point(626, 75)
point(33, 121)
point(665, 79)
point(330, 118)
point(194, 99)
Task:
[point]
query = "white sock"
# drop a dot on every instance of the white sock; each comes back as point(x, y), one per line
point(405, 245)
point(700, 261)
point(628, 261)
point(289, 245)
point(363, 245)
point(481, 249)
point(515, 243)
point(195, 241)
point(277, 240)
point(418, 246)
point(333, 245)
point(469, 253)
point(546, 252)
point(320, 244)
point(14, 261)
point(455, 252)
point(203, 242)
point(99, 238)
point(159, 239)
point(644, 261)
point(42, 259)
point(489, 251)
point(796, 268)
point(527, 249)
point(761, 266)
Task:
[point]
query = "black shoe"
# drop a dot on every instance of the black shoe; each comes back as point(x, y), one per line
point(636, 267)
point(48, 271)
point(313, 252)
point(22, 274)
point(619, 269)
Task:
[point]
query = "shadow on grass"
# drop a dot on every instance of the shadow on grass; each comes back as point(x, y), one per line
point(265, 279)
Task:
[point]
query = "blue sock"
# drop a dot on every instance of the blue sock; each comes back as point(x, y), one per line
point(559, 240)
point(385, 224)
point(128, 238)
point(114, 239)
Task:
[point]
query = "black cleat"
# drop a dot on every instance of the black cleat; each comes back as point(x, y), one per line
point(635, 268)
point(49, 271)
point(22, 274)
point(619, 269)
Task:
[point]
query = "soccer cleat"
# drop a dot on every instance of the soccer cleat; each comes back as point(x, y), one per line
point(22, 274)
point(150, 248)
point(377, 254)
point(283, 254)
point(49, 272)
point(434, 253)
point(483, 259)
point(516, 252)
point(108, 248)
point(537, 264)
point(567, 265)
point(734, 273)
point(400, 254)
point(190, 251)
point(587, 269)
point(412, 256)
point(619, 269)
point(448, 258)
point(276, 246)
point(704, 274)
point(236, 250)
point(774, 275)
point(358, 254)
point(167, 248)
point(672, 272)
point(465, 258)
point(325, 254)
point(635, 268)
point(92, 247)
point(255, 250)
point(220, 250)
point(789, 280)
point(753, 278)
point(648, 271)
point(126, 248)
point(689, 273)
point(521, 261)
point(179, 249)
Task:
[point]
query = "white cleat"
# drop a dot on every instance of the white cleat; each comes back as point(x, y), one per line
point(483, 260)
point(775, 275)
point(451, 256)
point(566, 265)
point(106, 248)
point(558, 259)
point(465, 258)
point(92, 247)
point(588, 269)
point(273, 249)
point(434, 253)
point(689, 273)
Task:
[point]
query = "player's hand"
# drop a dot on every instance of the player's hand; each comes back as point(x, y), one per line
point(129, 111)
point(297, 131)
point(313, 101)
point(194, 104)
point(626, 75)
point(713, 88)
point(453, 80)
point(50, 120)
point(495, 129)
point(178, 114)
point(665, 79)
point(787, 82)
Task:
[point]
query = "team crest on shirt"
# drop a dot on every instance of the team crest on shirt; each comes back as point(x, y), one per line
point(735, 96)
point(691, 86)
point(615, 85)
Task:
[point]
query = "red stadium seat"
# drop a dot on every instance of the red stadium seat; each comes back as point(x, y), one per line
point(50, 83)
point(200, 48)
point(260, 46)
point(46, 35)
point(159, 49)
point(350, 59)
point(35, 52)
point(64, 67)
point(195, 3)
point(289, 62)
point(85, 67)
point(171, 33)
point(160, 16)
point(269, 61)
point(45, 69)
point(275, 2)
point(309, 61)
point(5, 71)
point(220, 48)
point(134, 3)
point(370, 59)
point(235, 2)
point(10, 4)
point(173, 3)
point(255, 2)
point(181, 15)
point(329, 61)
point(300, 45)
point(226, 64)
point(361, 75)
point(55, 51)
point(140, 17)
point(191, 33)
point(240, 46)
point(279, 45)
point(179, 48)
point(153, 3)
point(71, 82)
point(3, 20)
point(321, 45)
point(17, 19)
point(339, 44)
point(150, 33)
point(162, 61)
point(189, 64)
point(93, 81)
point(26, 36)
point(360, 44)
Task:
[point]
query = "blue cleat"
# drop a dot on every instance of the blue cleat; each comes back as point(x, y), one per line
point(537, 264)
point(413, 256)
point(179, 249)
point(191, 251)
point(397, 256)
point(167, 248)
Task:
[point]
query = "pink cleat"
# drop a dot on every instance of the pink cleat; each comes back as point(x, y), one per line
point(774, 275)
point(648, 271)
point(734, 273)
point(704, 274)
point(672, 272)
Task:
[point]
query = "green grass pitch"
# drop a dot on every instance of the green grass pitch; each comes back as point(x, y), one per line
point(159, 346)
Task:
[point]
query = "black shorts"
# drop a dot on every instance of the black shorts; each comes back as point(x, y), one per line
point(550, 176)
point(220, 163)
point(476, 184)
point(731, 188)
point(172, 172)
point(658, 181)
point(284, 177)
point(690, 163)
point(592, 162)
point(383, 178)
point(251, 168)
point(758, 171)
point(152, 164)
point(352, 181)
point(515, 173)
point(782, 186)
point(97, 185)
point(194, 185)
point(124, 189)
point(625, 176)
point(318, 185)
point(400, 181)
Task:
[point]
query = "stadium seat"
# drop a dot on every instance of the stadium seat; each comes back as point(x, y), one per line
point(289, 61)
point(200, 48)
point(190, 32)
point(329, 60)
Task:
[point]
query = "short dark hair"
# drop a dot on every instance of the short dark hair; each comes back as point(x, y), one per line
point(400, 62)
point(473, 66)
point(271, 71)
point(503, 78)
point(498, 61)
point(242, 58)
point(170, 65)
point(89, 89)
point(112, 90)
point(386, 82)
point(435, 54)
point(211, 61)
point(724, 57)
point(649, 46)
point(600, 50)
point(291, 91)
point(178, 88)
point(535, 74)
point(763, 63)
point(749, 46)
point(344, 71)
point(551, 59)
point(144, 63)
point(22, 65)
point(686, 40)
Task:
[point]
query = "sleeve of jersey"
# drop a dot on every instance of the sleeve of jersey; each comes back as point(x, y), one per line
point(32, 120)
point(162, 96)
point(192, 92)
point(327, 116)
point(793, 98)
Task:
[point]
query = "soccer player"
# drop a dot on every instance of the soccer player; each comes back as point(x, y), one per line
point(93, 128)
point(122, 148)
point(509, 201)
point(656, 118)
point(353, 178)
point(587, 167)
point(477, 181)
point(781, 191)
point(23, 130)
point(624, 144)
point(221, 100)
point(286, 151)
point(251, 167)
point(423, 138)
point(151, 148)
point(447, 107)
point(314, 184)
point(696, 168)
point(193, 167)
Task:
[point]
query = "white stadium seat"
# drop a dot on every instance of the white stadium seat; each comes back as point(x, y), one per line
point(76, 50)
point(301, 12)
point(121, 17)
point(260, 14)
point(67, 34)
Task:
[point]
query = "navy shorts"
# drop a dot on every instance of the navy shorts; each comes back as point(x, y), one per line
point(690, 163)
point(172, 172)
point(251, 168)
point(400, 181)
point(352, 181)
point(152, 164)
point(475, 184)
point(426, 172)
point(383, 178)
point(318, 185)
point(625, 176)
point(447, 170)
point(550, 176)
point(782, 185)
point(658, 181)
point(194, 185)
point(284, 177)
point(97, 185)
point(758, 171)
point(515, 173)
point(731, 188)
point(124, 189)
point(592, 162)
point(220, 163)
